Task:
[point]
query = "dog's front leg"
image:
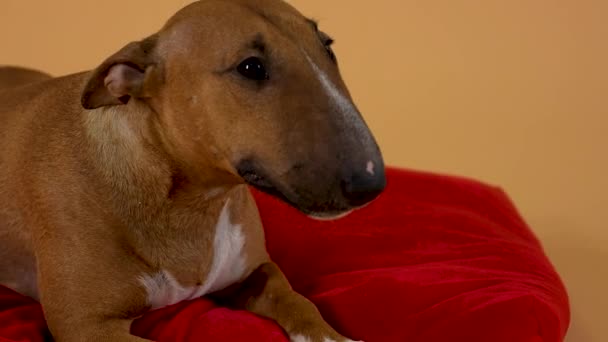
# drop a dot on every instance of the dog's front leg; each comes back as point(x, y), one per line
point(267, 292)
point(101, 331)
point(89, 295)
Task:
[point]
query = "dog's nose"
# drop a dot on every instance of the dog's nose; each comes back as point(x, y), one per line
point(363, 186)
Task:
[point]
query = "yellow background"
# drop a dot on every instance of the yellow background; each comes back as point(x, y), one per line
point(510, 92)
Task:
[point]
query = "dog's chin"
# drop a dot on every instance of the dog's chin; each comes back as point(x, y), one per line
point(329, 216)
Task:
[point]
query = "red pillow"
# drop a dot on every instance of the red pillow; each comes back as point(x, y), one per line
point(435, 258)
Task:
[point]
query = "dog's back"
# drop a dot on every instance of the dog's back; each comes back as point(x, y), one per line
point(17, 85)
point(11, 77)
point(14, 253)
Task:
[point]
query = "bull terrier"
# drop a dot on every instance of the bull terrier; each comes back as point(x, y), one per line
point(126, 188)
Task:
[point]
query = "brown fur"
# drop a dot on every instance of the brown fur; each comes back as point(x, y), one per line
point(12, 77)
point(134, 183)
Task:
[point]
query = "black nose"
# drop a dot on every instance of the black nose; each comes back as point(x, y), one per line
point(363, 187)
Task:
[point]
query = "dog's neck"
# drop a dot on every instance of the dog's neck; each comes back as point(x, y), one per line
point(129, 157)
point(122, 144)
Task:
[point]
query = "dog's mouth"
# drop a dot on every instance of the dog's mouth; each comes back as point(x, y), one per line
point(255, 176)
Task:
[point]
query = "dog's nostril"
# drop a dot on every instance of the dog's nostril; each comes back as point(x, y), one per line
point(371, 168)
point(361, 189)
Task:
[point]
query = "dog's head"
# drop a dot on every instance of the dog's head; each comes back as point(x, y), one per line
point(251, 88)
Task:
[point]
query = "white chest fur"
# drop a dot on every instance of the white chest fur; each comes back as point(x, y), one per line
point(228, 267)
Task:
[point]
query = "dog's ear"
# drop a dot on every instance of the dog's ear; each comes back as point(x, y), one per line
point(126, 74)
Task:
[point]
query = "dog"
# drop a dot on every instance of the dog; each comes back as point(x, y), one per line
point(127, 188)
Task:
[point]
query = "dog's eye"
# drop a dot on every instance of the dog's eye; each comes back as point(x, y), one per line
point(253, 68)
point(328, 43)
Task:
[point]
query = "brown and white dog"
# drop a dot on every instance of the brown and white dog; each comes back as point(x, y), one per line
point(125, 189)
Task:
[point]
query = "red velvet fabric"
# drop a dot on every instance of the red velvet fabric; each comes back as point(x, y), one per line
point(435, 258)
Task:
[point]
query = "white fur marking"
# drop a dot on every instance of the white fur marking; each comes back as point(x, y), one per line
point(163, 290)
point(371, 168)
point(228, 267)
point(343, 104)
point(300, 338)
point(228, 261)
point(213, 192)
point(346, 108)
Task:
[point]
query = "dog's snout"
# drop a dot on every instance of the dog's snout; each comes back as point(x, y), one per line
point(363, 185)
